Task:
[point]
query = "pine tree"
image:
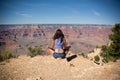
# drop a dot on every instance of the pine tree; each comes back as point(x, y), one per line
point(112, 52)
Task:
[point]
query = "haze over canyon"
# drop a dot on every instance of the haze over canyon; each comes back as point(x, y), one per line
point(82, 37)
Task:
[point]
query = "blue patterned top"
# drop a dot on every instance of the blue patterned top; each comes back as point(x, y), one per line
point(58, 44)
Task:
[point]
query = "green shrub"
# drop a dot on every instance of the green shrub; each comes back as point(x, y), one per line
point(5, 54)
point(82, 54)
point(91, 51)
point(104, 48)
point(97, 46)
point(104, 60)
point(97, 58)
point(35, 51)
point(104, 51)
point(112, 52)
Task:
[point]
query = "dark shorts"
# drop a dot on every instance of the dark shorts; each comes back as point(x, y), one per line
point(59, 55)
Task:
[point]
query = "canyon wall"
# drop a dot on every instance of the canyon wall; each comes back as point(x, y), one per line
point(82, 38)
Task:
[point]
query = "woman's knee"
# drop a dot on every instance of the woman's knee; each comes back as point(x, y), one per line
point(50, 51)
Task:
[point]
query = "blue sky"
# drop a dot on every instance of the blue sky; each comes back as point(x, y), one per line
point(59, 11)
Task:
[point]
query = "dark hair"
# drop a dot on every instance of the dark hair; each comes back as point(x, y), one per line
point(58, 34)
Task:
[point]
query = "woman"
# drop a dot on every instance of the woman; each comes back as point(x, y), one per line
point(58, 45)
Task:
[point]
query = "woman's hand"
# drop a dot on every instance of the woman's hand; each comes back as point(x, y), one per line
point(68, 47)
point(48, 47)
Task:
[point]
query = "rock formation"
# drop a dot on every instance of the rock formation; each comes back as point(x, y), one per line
point(48, 68)
point(82, 38)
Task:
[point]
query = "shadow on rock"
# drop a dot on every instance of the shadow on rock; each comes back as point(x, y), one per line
point(71, 58)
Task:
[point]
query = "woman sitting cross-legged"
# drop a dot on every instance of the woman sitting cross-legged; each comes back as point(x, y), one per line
point(58, 46)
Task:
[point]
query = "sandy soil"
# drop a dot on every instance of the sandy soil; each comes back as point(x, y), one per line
point(48, 68)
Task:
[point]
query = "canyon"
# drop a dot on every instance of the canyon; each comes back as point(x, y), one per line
point(82, 37)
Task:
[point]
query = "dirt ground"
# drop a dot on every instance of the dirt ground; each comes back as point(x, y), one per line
point(48, 68)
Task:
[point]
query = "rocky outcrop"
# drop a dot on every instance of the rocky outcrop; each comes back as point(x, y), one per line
point(48, 68)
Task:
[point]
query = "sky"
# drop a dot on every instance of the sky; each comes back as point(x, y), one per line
point(59, 11)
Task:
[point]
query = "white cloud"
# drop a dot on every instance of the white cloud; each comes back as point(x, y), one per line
point(96, 13)
point(24, 14)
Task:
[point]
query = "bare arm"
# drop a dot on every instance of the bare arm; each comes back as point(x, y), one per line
point(65, 43)
point(50, 48)
point(52, 44)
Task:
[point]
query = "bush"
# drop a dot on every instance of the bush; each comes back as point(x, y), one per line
point(82, 54)
point(4, 55)
point(91, 51)
point(112, 52)
point(104, 60)
point(97, 58)
point(114, 48)
point(104, 51)
point(97, 46)
point(104, 48)
point(35, 51)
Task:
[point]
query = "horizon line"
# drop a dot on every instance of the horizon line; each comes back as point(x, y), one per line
point(55, 24)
